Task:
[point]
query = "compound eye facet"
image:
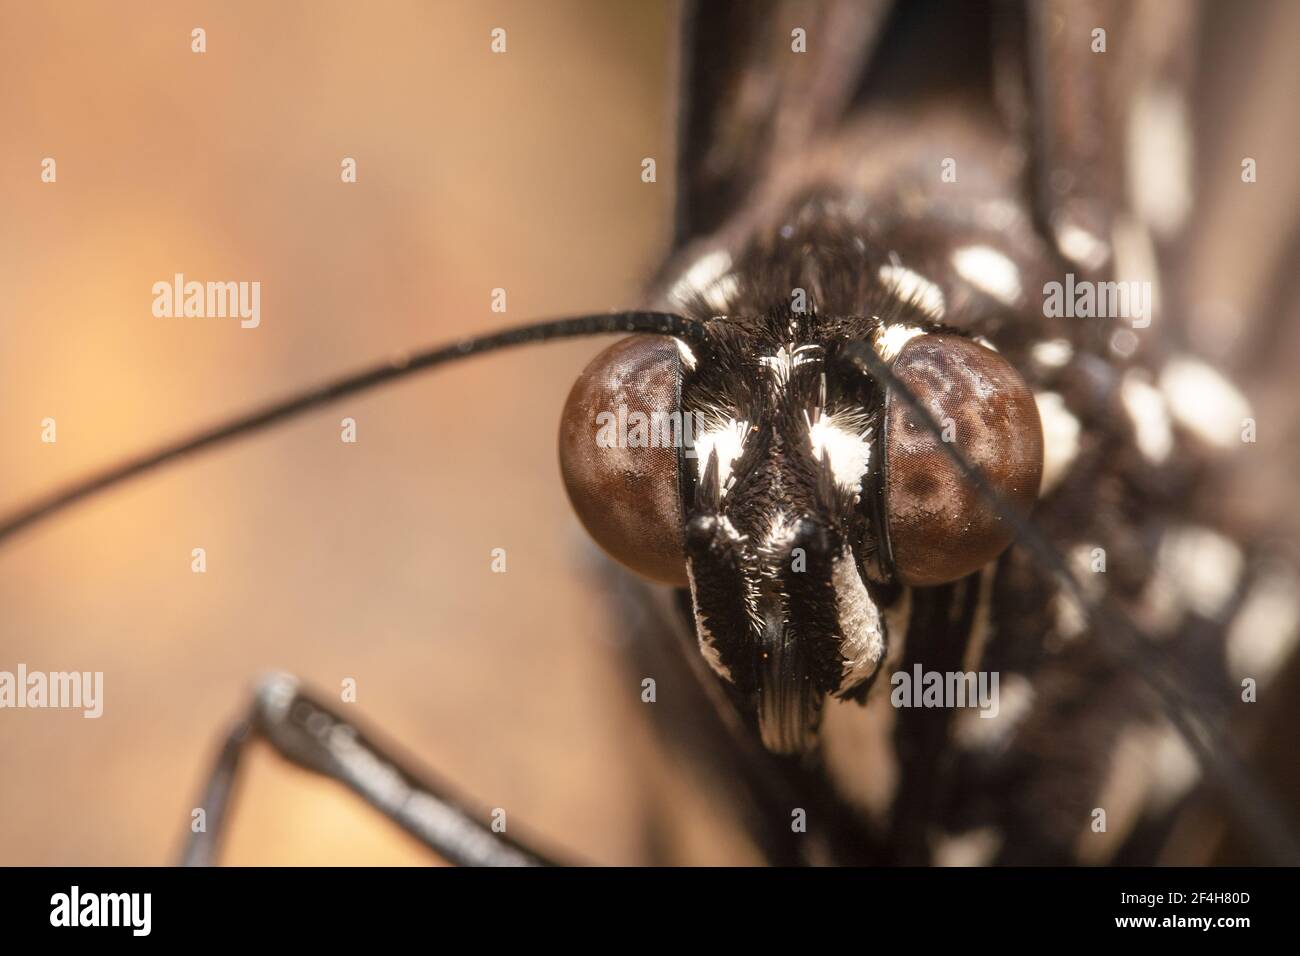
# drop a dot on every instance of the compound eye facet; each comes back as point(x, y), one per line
point(619, 458)
point(940, 527)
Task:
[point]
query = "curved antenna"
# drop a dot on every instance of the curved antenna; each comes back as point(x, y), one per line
point(1257, 812)
point(663, 323)
point(1251, 804)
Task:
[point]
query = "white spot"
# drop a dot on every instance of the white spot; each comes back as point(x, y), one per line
point(990, 271)
point(864, 641)
point(914, 288)
point(890, 340)
point(686, 354)
point(1122, 794)
point(707, 278)
point(1015, 700)
point(1060, 438)
point(1174, 770)
point(1159, 159)
point(1264, 632)
point(1146, 408)
point(1150, 768)
point(849, 454)
point(1081, 246)
point(975, 847)
point(1071, 621)
point(1203, 401)
point(1071, 617)
point(1054, 353)
point(1135, 261)
point(1207, 564)
point(1196, 569)
point(707, 269)
point(728, 441)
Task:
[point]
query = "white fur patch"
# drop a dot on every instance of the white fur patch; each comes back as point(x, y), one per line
point(728, 441)
point(989, 271)
point(707, 278)
point(849, 454)
point(1203, 401)
point(1146, 409)
point(889, 341)
point(864, 641)
point(686, 354)
point(914, 288)
point(1060, 439)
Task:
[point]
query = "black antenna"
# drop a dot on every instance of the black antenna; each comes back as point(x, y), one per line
point(663, 323)
point(1253, 807)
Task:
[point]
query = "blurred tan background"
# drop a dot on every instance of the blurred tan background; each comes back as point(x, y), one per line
point(325, 559)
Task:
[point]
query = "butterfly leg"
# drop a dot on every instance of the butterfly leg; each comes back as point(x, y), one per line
point(305, 731)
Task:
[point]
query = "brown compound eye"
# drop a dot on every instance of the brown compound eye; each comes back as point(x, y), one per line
point(619, 458)
point(940, 527)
